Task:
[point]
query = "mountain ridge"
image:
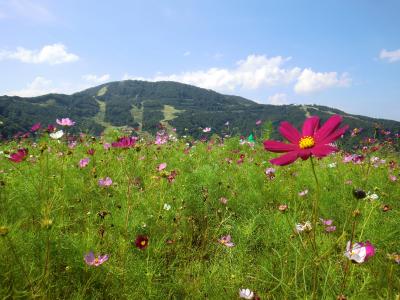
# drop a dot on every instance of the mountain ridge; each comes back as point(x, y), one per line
point(144, 105)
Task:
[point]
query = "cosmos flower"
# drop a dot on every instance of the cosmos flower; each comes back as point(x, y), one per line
point(57, 135)
point(65, 122)
point(392, 178)
point(303, 193)
point(84, 162)
point(359, 252)
point(161, 167)
point(313, 141)
point(105, 182)
point(283, 207)
point(167, 206)
point(125, 142)
point(19, 156)
point(35, 127)
point(72, 144)
point(258, 122)
point(106, 146)
point(226, 240)
point(246, 294)
point(300, 227)
point(207, 129)
point(270, 172)
point(223, 200)
point(91, 260)
point(91, 151)
point(141, 242)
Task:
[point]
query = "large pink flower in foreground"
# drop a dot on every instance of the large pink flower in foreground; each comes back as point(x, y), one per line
point(312, 141)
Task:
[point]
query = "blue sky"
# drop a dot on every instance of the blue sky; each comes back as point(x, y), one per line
point(343, 54)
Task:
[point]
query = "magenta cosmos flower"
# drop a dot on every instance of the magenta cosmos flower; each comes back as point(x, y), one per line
point(19, 156)
point(125, 142)
point(312, 141)
point(65, 122)
point(91, 260)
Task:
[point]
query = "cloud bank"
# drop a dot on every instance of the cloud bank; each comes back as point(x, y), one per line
point(50, 54)
point(254, 72)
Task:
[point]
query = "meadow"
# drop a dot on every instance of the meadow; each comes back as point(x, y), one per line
point(176, 218)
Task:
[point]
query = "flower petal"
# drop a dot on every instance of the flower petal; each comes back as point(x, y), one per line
point(329, 127)
point(285, 159)
point(289, 132)
point(279, 147)
point(310, 126)
point(323, 150)
point(335, 135)
point(304, 153)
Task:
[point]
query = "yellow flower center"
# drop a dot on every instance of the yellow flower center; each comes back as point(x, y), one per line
point(96, 260)
point(143, 243)
point(306, 142)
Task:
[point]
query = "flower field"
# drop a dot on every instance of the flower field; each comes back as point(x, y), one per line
point(135, 217)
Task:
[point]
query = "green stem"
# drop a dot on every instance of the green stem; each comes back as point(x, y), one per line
point(314, 230)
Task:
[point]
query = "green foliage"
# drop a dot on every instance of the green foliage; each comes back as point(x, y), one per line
point(52, 211)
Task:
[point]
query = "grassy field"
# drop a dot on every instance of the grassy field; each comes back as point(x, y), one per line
point(53, 211)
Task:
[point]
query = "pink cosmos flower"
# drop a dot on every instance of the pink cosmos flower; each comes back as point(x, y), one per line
point(91, 151)
point(359, 252)
point(161, 167)
point(303, 193)
point(125, 142)
point(392, 178)
point(65, 122)
point(270, 172)
point(35, 127)
point(72, 144)
point(105, 182)
point(313, 141)
point(207, 129)
point(223, 200)
point(258, 122)
point(226, 240)
point(106, 146)
point(84, 162)
point(19, 156)
point(91, 260)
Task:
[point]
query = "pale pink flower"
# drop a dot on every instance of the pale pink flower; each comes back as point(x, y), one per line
point(226, 240)
point(84, 162)
point(105, 182)
point(106, 146)
point(91, 260)
point(359, 252)
point(161, 166)
point(303, 193)
point(207, 129)
point(65, 122)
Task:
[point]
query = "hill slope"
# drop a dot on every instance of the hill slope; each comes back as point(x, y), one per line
point(143, 105)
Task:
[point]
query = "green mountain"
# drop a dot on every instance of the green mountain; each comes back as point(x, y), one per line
point(143, 105)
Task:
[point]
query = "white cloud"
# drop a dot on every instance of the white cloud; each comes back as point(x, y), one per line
point(50, 54)
point(39, 86)
point(187, 53)
point(391, 56)
point(251, 73)
point(92, 78)
point(310, 81)
point(278, 99)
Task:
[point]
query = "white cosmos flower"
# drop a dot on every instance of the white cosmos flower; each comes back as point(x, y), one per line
point(56, 135)
point(167, 206)
point(246, 294)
